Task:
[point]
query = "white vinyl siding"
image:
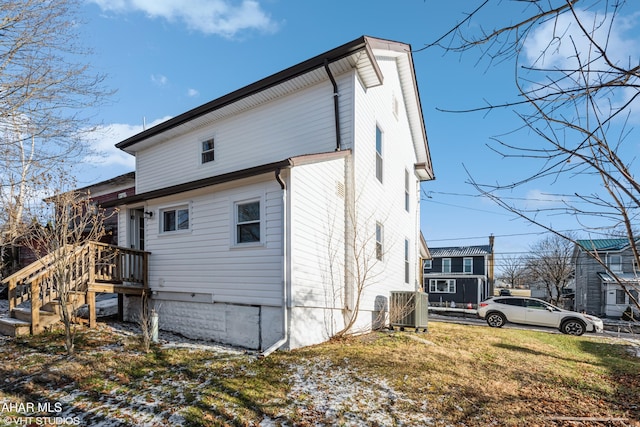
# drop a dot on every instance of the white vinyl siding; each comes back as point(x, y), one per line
point(299, 124)
point(205, 261)
point(316, 235)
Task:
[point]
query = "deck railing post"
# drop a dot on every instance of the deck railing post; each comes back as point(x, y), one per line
point(36, 303)
point(11, 293)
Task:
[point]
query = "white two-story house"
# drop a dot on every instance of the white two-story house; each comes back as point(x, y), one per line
point(260, 207)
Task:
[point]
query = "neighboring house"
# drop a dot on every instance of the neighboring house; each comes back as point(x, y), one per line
point(255, 206)
point(597, 291)
point(461, 275)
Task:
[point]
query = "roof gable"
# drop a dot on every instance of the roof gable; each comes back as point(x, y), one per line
point(356, 55)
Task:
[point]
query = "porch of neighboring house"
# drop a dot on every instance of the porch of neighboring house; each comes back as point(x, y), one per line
point(35, 297)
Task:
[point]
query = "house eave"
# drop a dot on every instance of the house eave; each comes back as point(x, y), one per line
point(227, 177)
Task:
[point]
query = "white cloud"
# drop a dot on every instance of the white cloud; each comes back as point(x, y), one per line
point(538, 199)
point(192, 93)
point(221, 17)
point(159, 79)
point(103, 142)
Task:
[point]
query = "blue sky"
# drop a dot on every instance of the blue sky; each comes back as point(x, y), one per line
point(165, 57)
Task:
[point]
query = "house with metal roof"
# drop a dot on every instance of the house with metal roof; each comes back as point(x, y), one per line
point(459, 275)
point(600, 285)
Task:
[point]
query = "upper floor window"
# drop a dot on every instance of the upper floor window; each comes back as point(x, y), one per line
point(248, 222)
point(428, 265)
point(467, 265)
point(614, 262)
point(446, 265)
point(379, 153)
point(207, 151)
point(379, 242)
point(175, 218)
point(407, 184)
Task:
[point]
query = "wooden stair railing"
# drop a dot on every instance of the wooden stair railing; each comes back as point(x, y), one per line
point(79, 267)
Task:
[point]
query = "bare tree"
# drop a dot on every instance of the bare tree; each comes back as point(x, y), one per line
point(551, 263)
point(512, 270)
point(59, 243)
point(46, 90)
point(577, 83)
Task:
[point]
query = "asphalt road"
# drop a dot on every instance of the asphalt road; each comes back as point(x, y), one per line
point(475, 321)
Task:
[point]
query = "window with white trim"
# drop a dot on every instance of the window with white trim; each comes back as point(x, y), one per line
point(614, 262)
point(208, 151)
point(379, 153)
point(467, 265)
point(446, 265)
point(407, 266)
point(427, 264)
point(247, 222)
point(407, 183)
point(442, 286)
point(379, 241)
point(175, 219)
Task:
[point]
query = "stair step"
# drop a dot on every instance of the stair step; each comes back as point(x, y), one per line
point(46, 317)
point(14, 327)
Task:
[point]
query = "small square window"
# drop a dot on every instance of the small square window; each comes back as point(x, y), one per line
point(207, 151)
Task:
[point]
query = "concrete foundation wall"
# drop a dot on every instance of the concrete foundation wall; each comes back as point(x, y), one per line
point(251, 327)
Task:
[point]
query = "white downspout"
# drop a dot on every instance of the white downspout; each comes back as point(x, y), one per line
point(285, 276)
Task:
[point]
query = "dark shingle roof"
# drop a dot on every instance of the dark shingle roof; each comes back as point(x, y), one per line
point(460, 251)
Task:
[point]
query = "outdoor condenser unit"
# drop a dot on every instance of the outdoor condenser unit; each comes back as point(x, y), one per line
point(409, 309)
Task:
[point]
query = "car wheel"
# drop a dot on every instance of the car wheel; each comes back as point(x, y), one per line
point(572, 327)
point(496, 320)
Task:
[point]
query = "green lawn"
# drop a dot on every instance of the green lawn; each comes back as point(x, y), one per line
point(453, 375)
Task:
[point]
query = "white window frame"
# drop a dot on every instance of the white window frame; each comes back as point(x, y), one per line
point(427, 264)
point(468, 260)
point(407, 192)
point(449, 283)
point(235, 203)
point(204, 153)
point(407, 264)
point(176, 209)
point(448, 269)
point(616, 267)
point(379, 241)
point(379, 152)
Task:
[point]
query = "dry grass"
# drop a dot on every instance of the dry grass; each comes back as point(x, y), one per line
point(454, 375)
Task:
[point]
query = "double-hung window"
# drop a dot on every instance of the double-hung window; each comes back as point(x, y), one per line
point(379, 153)
point(379, 241)
point(207, 151)
point(446, 265)
point(467, 265)
point(614, 262)
point(407, 183)
point(247, 222)
point(175, 218)
point(407, 266)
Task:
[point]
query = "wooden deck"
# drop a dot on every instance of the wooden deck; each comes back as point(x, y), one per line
point(77, 271)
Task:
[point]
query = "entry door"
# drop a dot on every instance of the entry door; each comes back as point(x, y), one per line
point(136, 229)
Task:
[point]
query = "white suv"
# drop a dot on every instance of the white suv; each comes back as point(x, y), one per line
point(531, 311)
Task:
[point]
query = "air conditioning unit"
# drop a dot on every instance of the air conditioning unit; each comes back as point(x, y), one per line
point(409, 309)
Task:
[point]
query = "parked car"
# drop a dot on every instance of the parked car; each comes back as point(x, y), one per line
point(531, 311)
point(505, 293)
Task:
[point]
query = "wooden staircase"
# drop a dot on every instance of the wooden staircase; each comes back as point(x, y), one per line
point(74, 274)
